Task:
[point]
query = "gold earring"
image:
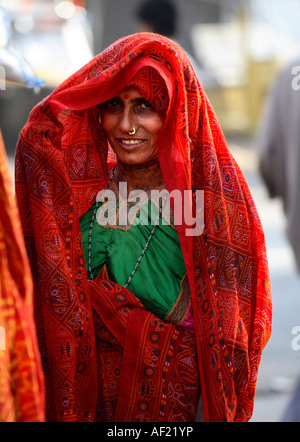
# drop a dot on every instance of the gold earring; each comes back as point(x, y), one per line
point(132, 132)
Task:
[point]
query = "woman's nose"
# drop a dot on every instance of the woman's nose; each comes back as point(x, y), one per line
point(127, 121)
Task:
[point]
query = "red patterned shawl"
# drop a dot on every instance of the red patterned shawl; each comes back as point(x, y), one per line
point(61, 165)
point(21, 376)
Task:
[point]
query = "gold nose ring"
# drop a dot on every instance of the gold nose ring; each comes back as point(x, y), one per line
point(132, 132)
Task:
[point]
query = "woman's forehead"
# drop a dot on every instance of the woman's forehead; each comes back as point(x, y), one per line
point(130, 93)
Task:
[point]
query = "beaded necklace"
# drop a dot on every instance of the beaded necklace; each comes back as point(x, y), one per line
point(90, 240)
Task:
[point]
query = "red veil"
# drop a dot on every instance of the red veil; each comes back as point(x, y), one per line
point(62, 163)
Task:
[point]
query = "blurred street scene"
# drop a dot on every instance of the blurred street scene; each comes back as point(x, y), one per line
point(280, 367)
point(240, 46)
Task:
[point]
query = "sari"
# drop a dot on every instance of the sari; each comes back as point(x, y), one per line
point(62, 162)
point(21, 376)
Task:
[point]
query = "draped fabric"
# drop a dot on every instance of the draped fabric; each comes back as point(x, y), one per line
point(21, 376)
point(63, 161)
point(148, 369)
point(119, 248)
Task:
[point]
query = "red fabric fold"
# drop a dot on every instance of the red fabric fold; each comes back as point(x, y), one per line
point(153, 372)
point(21, 376)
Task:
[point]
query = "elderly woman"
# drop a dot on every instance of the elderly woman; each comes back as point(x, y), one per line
point(141, 318)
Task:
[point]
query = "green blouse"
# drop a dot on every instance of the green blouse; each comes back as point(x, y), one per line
point(160, 276)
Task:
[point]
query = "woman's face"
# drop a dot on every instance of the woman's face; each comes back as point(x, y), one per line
point(128, 111)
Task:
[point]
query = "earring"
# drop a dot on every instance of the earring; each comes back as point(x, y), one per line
point(132, 132)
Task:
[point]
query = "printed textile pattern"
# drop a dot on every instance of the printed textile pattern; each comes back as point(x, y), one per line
point(63, 161)
point(150, 84)
point(21, 376)
point(161, 382)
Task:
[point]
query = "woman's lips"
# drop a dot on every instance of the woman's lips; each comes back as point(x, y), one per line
point(130, 144)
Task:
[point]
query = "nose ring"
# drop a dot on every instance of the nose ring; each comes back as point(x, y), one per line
point(132, 132)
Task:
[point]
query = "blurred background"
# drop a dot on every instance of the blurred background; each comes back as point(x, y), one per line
point(239, 47)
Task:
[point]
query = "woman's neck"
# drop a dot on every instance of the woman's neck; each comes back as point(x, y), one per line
point(147, 176)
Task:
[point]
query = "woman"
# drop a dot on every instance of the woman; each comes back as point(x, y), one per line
point(176, 324)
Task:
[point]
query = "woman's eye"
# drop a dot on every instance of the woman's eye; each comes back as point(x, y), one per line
point(114, 103)
point(145, 104)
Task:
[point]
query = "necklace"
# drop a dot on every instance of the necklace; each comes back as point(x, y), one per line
point(90, 240)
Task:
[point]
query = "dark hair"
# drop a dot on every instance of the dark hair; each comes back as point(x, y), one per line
point(160, 14)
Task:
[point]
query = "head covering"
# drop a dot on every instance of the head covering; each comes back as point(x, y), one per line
point(21, 376)
point(62, 162)
point(151, 86)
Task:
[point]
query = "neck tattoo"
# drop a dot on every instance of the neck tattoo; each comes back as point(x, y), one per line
point(91, 231)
